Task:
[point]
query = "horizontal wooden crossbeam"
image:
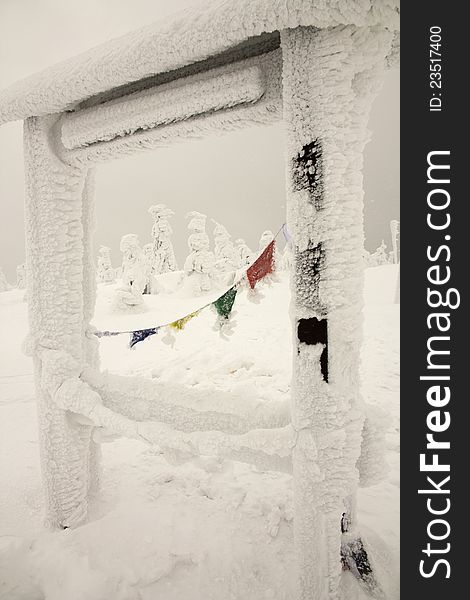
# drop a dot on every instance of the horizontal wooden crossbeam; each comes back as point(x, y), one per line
point(240, 94)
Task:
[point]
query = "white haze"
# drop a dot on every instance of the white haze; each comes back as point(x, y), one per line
point(237, 179)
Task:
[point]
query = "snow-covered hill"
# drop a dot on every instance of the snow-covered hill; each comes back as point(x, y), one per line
point(206, 529)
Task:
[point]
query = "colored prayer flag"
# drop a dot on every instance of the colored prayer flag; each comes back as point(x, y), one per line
point(287, 235)
point(263, 265)
point(181, 323)
point(224, 304)
point(141, 335)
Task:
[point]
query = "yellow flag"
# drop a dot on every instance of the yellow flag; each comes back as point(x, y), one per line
point(180, 323)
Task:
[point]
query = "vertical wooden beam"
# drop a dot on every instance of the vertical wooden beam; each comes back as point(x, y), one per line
point(90, 341)
point(330, 78)
point(54, 254)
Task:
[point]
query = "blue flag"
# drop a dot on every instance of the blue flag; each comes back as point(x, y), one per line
point(141, 335)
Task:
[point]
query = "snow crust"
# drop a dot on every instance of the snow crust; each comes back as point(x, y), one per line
point(208, 528)
point(329, 79)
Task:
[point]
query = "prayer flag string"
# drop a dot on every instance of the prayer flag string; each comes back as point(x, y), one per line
point(258, 270)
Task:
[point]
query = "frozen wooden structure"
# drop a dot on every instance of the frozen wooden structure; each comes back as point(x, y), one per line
point(318, 66)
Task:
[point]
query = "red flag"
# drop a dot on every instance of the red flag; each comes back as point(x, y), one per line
point(263, 265)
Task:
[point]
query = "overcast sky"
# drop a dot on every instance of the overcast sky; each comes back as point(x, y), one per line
point(237, 179)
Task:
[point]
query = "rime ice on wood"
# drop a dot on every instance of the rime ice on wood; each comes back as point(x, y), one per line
point(372, 465)
point(318, 65)
point(330, 79)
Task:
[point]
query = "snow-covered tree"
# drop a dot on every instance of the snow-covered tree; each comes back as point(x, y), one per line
point(197, 224)
point(163, 254)
point(395, 232)
point(149, 262)
point(244, 253)
point(199, 266)
point(381, 253)
point(4, 285)
point(224, 250)
point(105, 269)
point(133, 271)
point(21, 276)
point(379, 257)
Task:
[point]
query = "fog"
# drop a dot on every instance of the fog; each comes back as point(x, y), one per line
point(237, 179)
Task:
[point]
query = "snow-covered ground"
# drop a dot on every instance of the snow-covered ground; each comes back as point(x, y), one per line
point(206, 529)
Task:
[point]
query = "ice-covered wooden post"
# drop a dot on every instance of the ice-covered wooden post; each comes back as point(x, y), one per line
point(61, 286)
point(330, 78)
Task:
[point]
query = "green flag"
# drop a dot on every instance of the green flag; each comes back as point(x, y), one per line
point(224, 304)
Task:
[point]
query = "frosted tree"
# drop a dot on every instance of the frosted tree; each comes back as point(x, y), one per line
point(133, 271)
point(379, 257)
point(4, 285)
point(244, 253)
point(197, 223)
point(381, 254)
point(395, 232)
point(220, 234)
point(200, 263)
point(225, 253)
point(149, 262)
point(199, 266)
point(21, 276)
point(163, 254)
point(105, 269)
